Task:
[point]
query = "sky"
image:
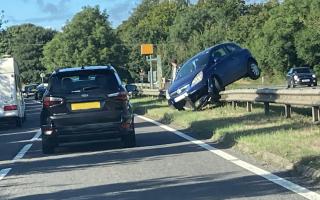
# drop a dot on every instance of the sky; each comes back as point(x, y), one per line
point(54, 13)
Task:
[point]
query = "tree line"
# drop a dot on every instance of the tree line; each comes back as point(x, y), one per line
point(280, 34)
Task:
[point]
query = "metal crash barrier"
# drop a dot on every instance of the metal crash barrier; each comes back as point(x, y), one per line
point(309, 97)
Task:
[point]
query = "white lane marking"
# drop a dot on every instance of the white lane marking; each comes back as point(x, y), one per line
point(17, 133)
point(256, 170)
point(36, 136)
point(22, 152)
point(4, 172)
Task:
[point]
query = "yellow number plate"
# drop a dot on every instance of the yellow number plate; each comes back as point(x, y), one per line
point(85, 106)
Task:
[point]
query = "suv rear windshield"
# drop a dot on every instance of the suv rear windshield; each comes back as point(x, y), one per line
point(85, 81)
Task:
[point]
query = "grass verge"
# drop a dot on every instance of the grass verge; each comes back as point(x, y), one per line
point(297, 140)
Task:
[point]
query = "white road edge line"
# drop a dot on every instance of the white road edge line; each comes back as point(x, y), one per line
point(22, 152)
point(4, 172)
point(256, 170)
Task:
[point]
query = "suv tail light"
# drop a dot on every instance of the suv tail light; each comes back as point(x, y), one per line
point(10, 107)
point(123, 96)
point(51, 101)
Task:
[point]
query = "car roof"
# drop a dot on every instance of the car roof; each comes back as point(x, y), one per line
point(84, 68)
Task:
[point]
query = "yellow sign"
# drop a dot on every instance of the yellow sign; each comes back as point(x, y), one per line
point(146, 49)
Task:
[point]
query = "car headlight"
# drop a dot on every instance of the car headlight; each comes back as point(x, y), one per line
point(314, 76)
point(197, 79)
point(296, 77)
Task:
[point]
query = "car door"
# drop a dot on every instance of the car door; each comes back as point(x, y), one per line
point(238, 59)
point(223, 65)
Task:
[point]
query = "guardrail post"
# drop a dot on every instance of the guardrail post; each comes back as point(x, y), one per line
point(315, 113)
point(266, 108)
point(234, 104)
point(249, 106)
point(287, 111)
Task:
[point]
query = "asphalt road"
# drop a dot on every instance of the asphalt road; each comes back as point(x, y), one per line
point(162, 166)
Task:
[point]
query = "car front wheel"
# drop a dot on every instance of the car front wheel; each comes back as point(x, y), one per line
point(253, 70)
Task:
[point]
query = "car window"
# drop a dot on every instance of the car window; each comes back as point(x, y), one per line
point(302, 70)
point(218, 53)
point(232, 47)
point(85, 81)
point(131, 87)
point(193, 64)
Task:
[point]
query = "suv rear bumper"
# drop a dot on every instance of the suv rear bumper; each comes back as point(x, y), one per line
point(87, 132)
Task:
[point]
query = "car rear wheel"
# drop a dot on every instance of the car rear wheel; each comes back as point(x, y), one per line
point(47, 146)
point(129, 140)
point(253, 70)
point(19, 122)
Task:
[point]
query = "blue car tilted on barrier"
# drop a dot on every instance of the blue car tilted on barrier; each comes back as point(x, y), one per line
point(201, 78)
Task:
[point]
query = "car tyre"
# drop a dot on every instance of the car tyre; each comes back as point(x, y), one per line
point(47, 146)
point(292, 84)
point(129, 140)
point(179, 105)
point(19, 122)
point(253, 70)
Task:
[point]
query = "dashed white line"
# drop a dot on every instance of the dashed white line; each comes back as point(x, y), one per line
point(17, 133)
point(256, 170)
point(22, 152)
point(4, 172)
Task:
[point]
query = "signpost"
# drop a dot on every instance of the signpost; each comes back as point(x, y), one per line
point(147, 50)
point(42, 75)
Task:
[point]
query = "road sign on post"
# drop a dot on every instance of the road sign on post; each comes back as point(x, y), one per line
point(146, 49)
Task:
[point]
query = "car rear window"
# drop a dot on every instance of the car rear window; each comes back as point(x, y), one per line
point(85, 81)
point(302, 70)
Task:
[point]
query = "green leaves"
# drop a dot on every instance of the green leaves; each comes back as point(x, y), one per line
point(87, 39)
point(25, 42)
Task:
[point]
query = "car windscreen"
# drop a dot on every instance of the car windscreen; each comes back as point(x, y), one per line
point(85, 81)
point(131, 88)
point(302, 70)
point(29, 88)
point(193, 64)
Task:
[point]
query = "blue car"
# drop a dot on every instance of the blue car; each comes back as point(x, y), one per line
point(201, 78)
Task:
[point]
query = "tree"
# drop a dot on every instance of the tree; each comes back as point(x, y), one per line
point(25, 42)
point(87, 39)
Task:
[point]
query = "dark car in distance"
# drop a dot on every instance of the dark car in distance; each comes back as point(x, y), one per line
point(133, 90)
point(86, 104)
point(203, 76)
point(301, 76)
point(40, 90)
point(29, 90)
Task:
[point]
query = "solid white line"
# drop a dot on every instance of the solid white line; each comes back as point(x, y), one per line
point(36, 136)
point(22, 152)
point(256, 170)
point(4, 172)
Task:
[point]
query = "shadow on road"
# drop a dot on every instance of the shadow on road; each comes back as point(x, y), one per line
point(206, 187)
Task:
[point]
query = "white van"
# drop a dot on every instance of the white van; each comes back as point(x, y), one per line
point(12, 106)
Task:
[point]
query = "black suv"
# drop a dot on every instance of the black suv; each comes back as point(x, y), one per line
point(301, 76)
point(85, 103)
